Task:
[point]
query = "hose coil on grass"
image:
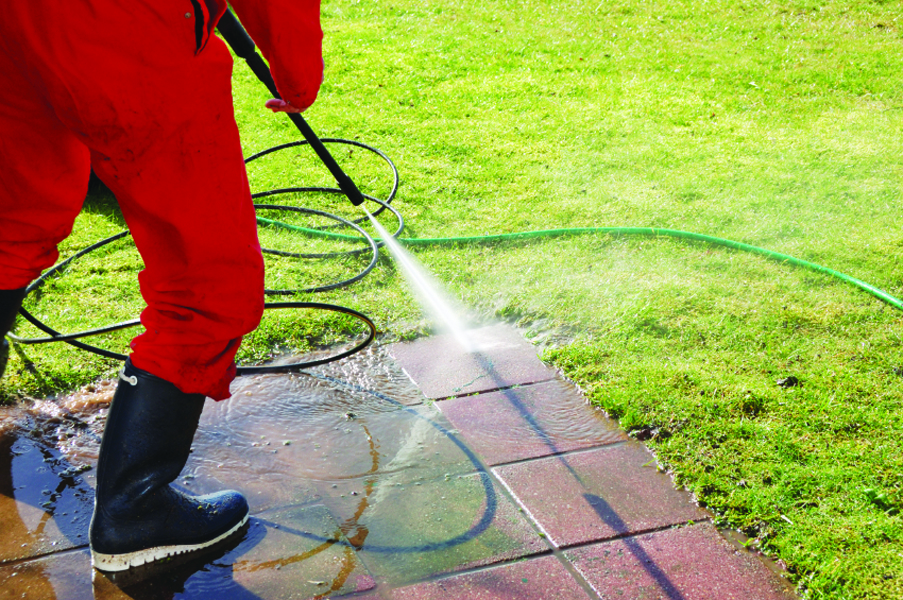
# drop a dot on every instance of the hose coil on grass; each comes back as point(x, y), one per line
point(371, 245)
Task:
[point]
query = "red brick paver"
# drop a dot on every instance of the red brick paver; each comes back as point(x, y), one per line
point(441, 368)
point(537, 579)
point(369, 497)
point(690, 563)
point(598, 494)
point(416, 530)
point(529, 422)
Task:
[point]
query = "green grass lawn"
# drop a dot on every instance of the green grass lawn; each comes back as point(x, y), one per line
point(779, 124)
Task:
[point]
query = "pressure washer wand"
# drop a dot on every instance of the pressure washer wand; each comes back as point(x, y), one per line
point(242, 44)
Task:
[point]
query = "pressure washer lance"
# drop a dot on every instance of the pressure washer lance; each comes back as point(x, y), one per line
point(244, 47)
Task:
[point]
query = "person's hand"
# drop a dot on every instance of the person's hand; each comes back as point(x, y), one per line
point(276, 105)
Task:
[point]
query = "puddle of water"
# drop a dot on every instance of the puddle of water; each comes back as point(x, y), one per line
point(266, 563)
point(282, 439)
point(374, 369)
point(47, 454)
point(321, 461)
point(71, 425)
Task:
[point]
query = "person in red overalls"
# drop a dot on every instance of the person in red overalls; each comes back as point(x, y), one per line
point(141, 92)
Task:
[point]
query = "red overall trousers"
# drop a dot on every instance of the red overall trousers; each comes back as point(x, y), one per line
point(141, 91)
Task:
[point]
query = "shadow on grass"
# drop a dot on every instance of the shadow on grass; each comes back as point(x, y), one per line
point(101, 201)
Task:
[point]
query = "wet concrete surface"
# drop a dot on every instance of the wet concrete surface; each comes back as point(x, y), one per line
point(361, 487)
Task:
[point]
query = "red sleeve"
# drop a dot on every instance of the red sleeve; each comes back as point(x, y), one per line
point(288, 34)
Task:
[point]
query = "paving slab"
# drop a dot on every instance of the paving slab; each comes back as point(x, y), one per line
point(441, 368)
point(381, 496)
point(543, 578)
point(45, 501)
point(373, 369)
point(293, 554)
point(529, 422)
point(685, 563)
point(410, 532)
point(598, 494)
point(296, 553)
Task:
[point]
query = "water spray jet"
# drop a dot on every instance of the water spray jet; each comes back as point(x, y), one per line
point(426, 290)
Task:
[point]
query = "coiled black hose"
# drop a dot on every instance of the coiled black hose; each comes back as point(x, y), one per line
point(371, 245)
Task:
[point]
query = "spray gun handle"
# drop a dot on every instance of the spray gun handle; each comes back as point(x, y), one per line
point(236, 36)
point(244, 47)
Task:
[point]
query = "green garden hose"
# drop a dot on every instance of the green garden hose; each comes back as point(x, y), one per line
point(616, 231)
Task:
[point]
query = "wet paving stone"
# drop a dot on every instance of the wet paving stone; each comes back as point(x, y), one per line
point(441, 368)
point(302, 555)
point(268, 480)
point(68, 576)
point(542, 578)
point(529, 422)
point(598, 494)
point(411, 532)
point(45, 501)
point(356, 493)
point(374, 370)
point(689, 563)
point(293, 554)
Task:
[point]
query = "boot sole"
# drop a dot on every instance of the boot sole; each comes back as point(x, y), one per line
point(122, 562)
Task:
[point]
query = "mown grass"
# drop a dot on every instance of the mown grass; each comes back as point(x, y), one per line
point(774, 123)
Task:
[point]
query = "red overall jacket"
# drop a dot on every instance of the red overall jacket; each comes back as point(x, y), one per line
point(141, 91)
point(289, 36)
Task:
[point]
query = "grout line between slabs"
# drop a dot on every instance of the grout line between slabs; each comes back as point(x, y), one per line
point(639, 532)
point(563, 453)
point(21, 561)
point(501, 388)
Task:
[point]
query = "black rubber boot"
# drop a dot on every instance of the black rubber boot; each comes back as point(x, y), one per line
point(10, 301)
point(138, 518)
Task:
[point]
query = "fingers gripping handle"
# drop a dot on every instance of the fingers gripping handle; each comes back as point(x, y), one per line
point(243, 46)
